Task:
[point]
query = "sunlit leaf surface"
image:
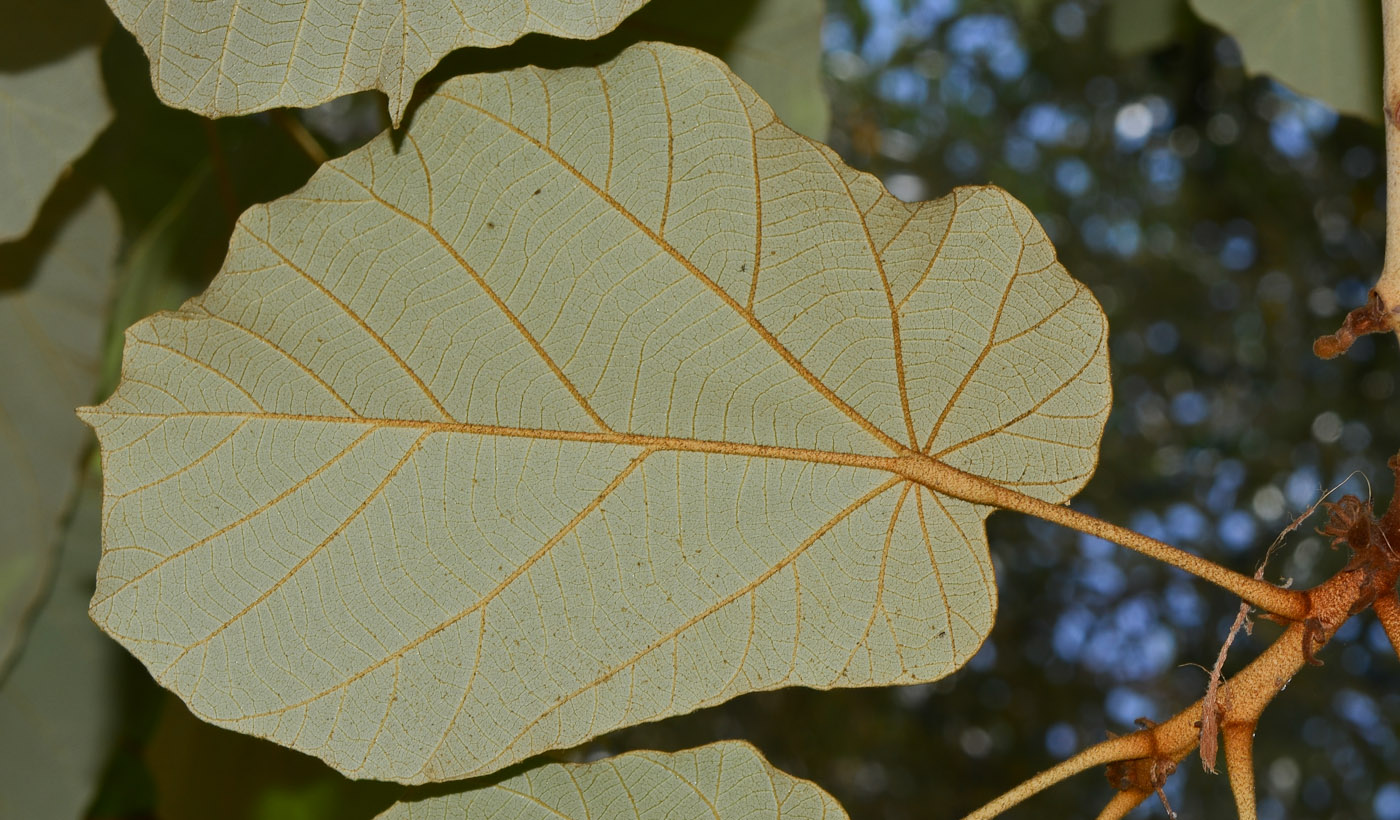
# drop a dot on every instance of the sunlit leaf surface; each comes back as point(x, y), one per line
point(514, 435)
point(1329, 49)
point(221, 57)
point(54, 293)
point(721, 781)
point(58, 705)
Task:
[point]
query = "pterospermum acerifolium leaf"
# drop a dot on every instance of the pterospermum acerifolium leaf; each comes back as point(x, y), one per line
point(601, 397)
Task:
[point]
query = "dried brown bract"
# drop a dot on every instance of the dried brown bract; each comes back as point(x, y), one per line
point(1371, 317)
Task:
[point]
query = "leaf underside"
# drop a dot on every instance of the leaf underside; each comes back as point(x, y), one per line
point(1328, 49)
point(225, 57)
point(51, 327)
point(586, 406)
point(720, 781)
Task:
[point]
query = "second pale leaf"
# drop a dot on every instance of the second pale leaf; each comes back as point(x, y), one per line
point(224, 57)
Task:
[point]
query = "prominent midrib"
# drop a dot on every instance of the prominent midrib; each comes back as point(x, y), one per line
point(919, 468)
point(657, 443)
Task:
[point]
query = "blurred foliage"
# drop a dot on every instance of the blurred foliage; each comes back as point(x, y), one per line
point(1223, 222)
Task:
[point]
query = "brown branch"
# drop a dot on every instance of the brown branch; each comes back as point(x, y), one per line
point(1285, 603)
point(1123, 747)
point(1250, 692)
point(1381, 313)
point(1122, 803)
point(1210, 706)
point(1239, 760)
point(1140, 762)
point(1388, 287)
point(1387, 608)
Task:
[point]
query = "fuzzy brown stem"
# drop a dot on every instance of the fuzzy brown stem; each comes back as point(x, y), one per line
point(1262, 594)
point(1246, 696)
point(1239, 761)
point(1388, 286)
point(1381, 313)
point(1125, 747)
point(1141, 762)
point(1123, 803)
point(1387, 608)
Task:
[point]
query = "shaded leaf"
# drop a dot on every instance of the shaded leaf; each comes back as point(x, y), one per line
point(514, 436)
point(58, 705)
point(55, 287)
point(149, 274)
point(222, 57)
point(51, 102)
point(720, 781)
point(1328, 49)
point(1142, 26)
point(37, 33)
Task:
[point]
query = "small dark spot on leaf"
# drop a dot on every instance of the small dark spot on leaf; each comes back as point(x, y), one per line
point(537, 191)
point(490, 224)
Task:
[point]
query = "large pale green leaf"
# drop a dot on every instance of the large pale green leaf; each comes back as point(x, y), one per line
point(54, 291)
point(1329, 49)
point(602, 398)
point(58, 705)
point(51, 102)
point(722, 781)
point(221, 57)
